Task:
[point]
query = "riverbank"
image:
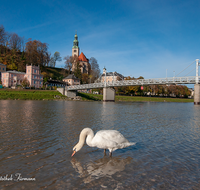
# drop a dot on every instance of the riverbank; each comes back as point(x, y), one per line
point(96, 97)
point(26, 94)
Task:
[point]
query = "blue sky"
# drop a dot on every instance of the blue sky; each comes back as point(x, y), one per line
point(149, 38)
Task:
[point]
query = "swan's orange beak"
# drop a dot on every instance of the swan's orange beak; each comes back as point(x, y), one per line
point(73, 153)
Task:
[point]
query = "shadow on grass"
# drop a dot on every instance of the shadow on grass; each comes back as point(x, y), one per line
point(88, 97)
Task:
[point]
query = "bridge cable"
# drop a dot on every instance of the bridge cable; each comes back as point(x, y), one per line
point(190, 72)
point(184, 69)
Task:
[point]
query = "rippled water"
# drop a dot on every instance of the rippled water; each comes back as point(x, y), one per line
point(37, 137)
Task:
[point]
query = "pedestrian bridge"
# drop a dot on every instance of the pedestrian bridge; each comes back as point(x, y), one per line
point(156, 81)
point(109, 92)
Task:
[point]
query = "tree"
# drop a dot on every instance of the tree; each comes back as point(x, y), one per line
point(25, 83)
point(52, 62)
point(3, 35)
point(140, 77)
point(69, 61)
point(94, 70)
point(63, 72)
point(37, 53)
point(15, 42)
point(77, 71)
point(85, 78)
point(56, 57)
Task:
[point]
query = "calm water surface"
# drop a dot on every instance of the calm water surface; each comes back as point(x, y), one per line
point(37, 137)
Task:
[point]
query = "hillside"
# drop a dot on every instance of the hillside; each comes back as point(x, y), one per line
point(53, 72)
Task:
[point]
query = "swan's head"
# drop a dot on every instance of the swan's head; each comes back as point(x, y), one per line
point(76, 149)
point(82, 137)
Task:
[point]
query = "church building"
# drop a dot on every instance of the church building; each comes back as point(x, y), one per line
point(83, 61)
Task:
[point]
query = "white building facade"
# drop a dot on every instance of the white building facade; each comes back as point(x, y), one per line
point(110, 77)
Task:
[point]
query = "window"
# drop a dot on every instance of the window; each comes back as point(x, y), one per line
point(35, 70)
point(75, 50)
point(0, 68)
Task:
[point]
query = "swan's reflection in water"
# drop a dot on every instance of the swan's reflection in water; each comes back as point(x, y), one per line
point(105, 166)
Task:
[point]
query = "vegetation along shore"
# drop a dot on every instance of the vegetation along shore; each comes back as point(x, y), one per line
point(25, 94)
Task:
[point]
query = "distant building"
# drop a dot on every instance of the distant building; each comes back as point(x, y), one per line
point(57, 83)
point(2, 68)
point(111, 76)
point(72, 80)
point(83, 61)
point(33, 75)
point(14, 78)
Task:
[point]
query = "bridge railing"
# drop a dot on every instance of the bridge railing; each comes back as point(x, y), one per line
point(156, 81)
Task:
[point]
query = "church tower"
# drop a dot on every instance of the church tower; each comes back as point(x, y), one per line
point(75, 48)
point(81, 58)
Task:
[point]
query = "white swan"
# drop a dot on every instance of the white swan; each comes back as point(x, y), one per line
point(105, 139)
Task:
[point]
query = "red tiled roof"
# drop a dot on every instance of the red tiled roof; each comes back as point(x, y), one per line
point(82, 57)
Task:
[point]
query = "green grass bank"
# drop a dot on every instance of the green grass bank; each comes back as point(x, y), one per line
point(95, 97)
point(26, 94)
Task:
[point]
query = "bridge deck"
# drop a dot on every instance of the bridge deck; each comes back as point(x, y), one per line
point(161, 81)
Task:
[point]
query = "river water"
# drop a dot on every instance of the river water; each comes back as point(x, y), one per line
point(37, 137)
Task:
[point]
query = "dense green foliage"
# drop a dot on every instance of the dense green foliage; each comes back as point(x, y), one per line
point(13, 59)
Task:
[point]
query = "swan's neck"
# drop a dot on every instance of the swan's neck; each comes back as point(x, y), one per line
point(89, 139)
point(87, 132)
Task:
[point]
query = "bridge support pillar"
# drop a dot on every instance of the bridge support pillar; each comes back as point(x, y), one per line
point(68, 93)
point(71, 93)
point(61, 90)
point(108, 94)
point(197, 94)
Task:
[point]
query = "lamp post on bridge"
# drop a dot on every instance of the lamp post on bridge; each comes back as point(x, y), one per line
point(104, 71)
